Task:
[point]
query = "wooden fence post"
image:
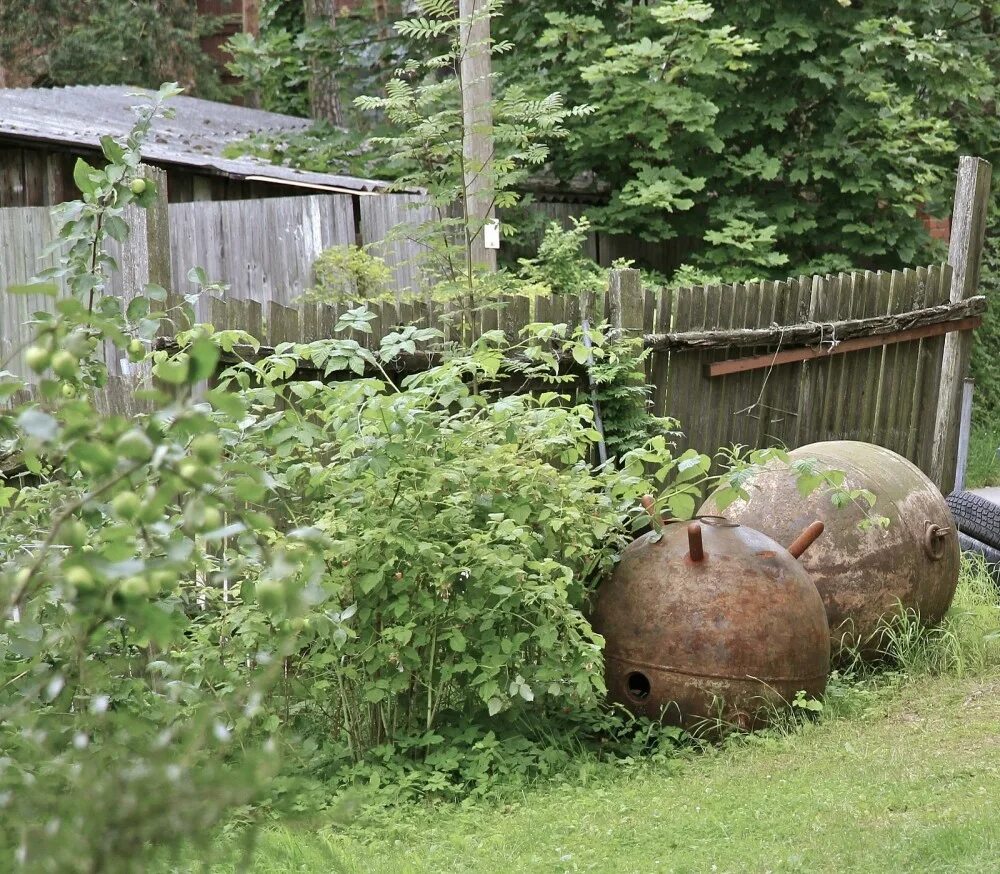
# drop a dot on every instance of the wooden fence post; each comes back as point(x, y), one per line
point(968, 230)
point(625, 301)
point(477, 120)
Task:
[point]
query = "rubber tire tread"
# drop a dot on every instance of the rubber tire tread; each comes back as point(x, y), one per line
point(976, 516)
point(990, 555)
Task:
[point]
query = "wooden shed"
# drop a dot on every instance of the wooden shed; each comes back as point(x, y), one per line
point(44, 130)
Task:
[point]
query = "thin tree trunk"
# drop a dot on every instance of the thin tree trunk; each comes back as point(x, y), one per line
point(324, 92)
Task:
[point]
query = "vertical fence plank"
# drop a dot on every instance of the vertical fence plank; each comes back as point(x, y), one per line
point(679, 395)
point(728, 298)
point(812, 290)
point(784, 380)
point(747, 385)
point(883, 284)
point(283, 324)
point(938, 291)
point(702, 416)
point(661, 360)
point(841, 413)
point(890, 370)
point(870, 372)
point(255, 322)
point(911, 380)
point(515, 316)
point(885, 410)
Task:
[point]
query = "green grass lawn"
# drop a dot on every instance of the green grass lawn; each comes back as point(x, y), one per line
point(902, 774)
point(984, 466)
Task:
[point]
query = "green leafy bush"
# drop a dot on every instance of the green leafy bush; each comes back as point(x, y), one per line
point(120, 734)
point(624, 398)
point(560, 266)
point(463, 531)
point(986, 346)
point(349, 273)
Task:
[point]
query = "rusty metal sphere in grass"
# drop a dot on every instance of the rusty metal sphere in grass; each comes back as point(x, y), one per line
point(711, 623)
point(865, 576)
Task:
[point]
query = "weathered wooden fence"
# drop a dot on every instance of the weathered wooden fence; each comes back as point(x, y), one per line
point(875, 356)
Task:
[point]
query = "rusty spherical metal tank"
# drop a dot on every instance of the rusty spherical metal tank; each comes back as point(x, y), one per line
point(711, 622)
point(864, 575)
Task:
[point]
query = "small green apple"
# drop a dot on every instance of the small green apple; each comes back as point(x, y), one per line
point(134, 587)
point(270, 595)
point(65, 364)
point(79, 577)
point(38, 358)
point(206, 448)
point(126, 505)
point(134, 445)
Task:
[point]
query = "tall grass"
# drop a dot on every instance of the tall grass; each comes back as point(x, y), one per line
point(984, 466)
point(966, 643)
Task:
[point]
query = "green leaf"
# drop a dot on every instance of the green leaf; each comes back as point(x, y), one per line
point(204, 358)
point(173, 371)
point(138, 308)
point(117, 228)
point(82, 173)
point(112, 151)
point(681, 504)
point(198, 276)
point(457, 641)
point(369, 581)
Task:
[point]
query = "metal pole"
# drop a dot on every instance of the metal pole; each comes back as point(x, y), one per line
point(964, 427)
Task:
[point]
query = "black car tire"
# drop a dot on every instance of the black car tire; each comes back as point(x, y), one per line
point(976, 516)
point(990, 555)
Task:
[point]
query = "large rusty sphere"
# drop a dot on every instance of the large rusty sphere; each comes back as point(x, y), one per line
point(864, 575)
point(731, 637)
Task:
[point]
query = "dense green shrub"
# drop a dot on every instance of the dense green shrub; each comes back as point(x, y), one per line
point(986, 346)
point(109, 42)
point(349, 273)
point(463, 530)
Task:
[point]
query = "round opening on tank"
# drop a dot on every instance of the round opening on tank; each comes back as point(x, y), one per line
point(637, 686)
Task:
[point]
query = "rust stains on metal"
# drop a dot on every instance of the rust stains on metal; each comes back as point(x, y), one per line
point(730, 636)
point(806, 539)
point(864, 574)
point(696, 549)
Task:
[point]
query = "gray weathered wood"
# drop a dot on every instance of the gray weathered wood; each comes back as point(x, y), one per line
point(968, 230)
point(477, 121)
point(940, 292)
point(393, 228)
point(262, 249)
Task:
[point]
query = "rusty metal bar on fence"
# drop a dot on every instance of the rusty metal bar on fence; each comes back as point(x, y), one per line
point(772, 359)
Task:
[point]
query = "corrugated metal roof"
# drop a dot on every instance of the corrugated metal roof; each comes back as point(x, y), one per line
point(196, 137)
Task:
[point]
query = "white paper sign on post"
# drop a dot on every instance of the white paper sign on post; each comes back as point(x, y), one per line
point(491, 234)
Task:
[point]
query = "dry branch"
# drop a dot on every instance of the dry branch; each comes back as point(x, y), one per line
point(815, 333)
